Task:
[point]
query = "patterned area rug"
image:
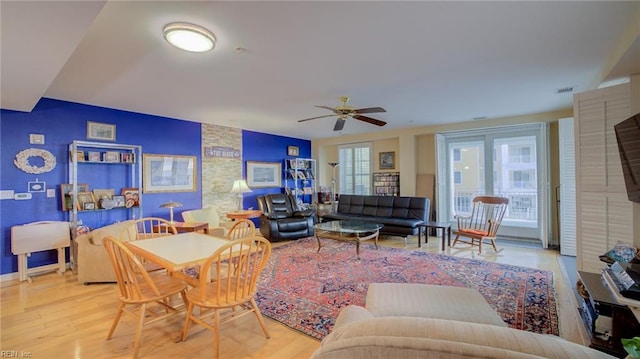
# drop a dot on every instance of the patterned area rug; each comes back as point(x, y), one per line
point(305, 290)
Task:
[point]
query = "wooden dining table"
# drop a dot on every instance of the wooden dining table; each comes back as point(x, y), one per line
point(177, 252)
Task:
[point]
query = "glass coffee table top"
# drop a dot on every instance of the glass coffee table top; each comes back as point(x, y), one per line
point(351, 231)
point(348, 226)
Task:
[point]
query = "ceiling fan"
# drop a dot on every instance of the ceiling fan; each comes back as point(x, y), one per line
point(343, 111)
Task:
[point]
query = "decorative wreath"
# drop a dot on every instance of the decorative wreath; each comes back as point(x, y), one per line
point(22, 160)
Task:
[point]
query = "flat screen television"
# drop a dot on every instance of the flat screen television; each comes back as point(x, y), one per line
point(628, 136)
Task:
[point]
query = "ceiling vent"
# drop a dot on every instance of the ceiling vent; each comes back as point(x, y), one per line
point(568, 89)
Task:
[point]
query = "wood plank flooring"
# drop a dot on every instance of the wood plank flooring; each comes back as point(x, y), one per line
point(58, 317)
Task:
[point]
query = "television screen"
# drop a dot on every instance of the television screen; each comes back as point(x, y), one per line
point(628, 136)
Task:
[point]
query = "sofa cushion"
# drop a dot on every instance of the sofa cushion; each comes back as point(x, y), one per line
point(430, 301)
point(412, 337)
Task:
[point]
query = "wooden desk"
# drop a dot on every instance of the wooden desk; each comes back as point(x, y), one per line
point(446, 231)
point(183, 227)
point(244, 214)
point(177, 252)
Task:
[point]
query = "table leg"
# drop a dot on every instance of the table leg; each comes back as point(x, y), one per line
point(318, 239)
point(420, 236)
point(449, 236)
point(358, 247)
point(443, 235)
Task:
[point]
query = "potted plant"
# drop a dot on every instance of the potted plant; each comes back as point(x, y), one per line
point(632, 346)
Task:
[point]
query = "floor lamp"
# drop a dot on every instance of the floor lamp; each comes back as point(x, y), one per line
point(240, 187)
point(333, 186)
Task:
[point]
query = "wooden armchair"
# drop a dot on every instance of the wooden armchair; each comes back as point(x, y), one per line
point(483, 223)
point(241, 228)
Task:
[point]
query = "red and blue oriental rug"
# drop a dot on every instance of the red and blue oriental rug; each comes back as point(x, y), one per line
point(305, 290)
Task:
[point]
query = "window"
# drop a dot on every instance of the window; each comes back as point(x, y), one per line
point(456, 155)
point(509, 161)
point(355, 168)
point(457, 177)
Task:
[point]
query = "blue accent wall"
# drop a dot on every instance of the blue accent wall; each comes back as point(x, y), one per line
point(61, 123)
point(262, 147)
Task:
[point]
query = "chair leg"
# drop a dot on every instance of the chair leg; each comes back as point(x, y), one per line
point(138, 337)
point(256, 310)
point(455, 240)
point(116, 320)
point(216, 333)
point(187, 321)
point(493, 243)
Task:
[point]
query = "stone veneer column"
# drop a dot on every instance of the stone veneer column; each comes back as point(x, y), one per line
point(218, 174)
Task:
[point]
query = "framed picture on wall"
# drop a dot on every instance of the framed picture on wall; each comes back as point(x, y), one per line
point(293, 151)
point(264, 174)
point(168, 173)
point(387, 160)
point(101, 131)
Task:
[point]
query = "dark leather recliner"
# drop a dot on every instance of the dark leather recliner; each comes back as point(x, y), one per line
point(281, 220)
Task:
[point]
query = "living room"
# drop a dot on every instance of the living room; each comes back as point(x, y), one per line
point(63, 119)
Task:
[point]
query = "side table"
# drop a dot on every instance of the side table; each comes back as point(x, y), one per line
point(444, 226)
point(189, 227)
point(244, 214)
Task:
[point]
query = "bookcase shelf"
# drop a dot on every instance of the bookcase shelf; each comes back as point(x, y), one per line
point(386, 183)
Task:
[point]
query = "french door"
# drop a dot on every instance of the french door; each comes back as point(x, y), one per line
point(508, 162)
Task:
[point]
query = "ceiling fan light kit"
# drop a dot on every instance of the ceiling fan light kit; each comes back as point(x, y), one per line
point(189, 37)
point(344, 111)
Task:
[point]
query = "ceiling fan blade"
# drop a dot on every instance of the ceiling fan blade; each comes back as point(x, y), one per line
point(313, 118)
point(370, 120)
point(339, 124)
point(327, 107)
point(370, 110)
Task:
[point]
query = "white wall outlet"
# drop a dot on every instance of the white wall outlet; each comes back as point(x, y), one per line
point(6, 194)
point(51, 192)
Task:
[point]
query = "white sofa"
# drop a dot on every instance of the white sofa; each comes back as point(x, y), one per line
point(91, 260)
point(424, 321)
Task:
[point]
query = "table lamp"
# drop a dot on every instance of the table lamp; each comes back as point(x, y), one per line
point(171, 205)
point(240, 187)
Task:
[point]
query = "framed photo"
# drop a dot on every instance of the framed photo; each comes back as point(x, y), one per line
point(131, 197)
point(387, 160)
point(85, 198)
point(93, 156)
point(89, 206)
point(293, 150)
point(111, 156)
point(78, 156)
point(264, 174)
point(100, 194)
point(167, 173)
point(101, 131)
point(118, 201)
point(66, 194)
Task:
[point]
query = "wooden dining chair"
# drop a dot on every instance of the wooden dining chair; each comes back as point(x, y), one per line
point(241, 261)
point(137, 289)
point(241, 228)
point(483, 223)
point(148, 227)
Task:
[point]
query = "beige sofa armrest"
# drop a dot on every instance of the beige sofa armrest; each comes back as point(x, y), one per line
point(350, 314)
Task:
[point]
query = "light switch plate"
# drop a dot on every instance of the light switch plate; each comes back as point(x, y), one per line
point(36, 139)
point(51, 193)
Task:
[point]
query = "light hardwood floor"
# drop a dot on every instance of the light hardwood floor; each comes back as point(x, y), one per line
point(57, 317)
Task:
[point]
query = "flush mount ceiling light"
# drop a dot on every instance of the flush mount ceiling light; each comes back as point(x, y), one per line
point(189, 37)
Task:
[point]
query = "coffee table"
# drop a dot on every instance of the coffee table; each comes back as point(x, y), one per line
point(348, 231)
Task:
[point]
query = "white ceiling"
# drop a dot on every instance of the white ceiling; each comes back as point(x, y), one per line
point(426, 63)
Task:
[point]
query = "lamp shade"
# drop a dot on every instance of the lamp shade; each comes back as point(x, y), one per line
point(240, 186)
point(171, 205)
